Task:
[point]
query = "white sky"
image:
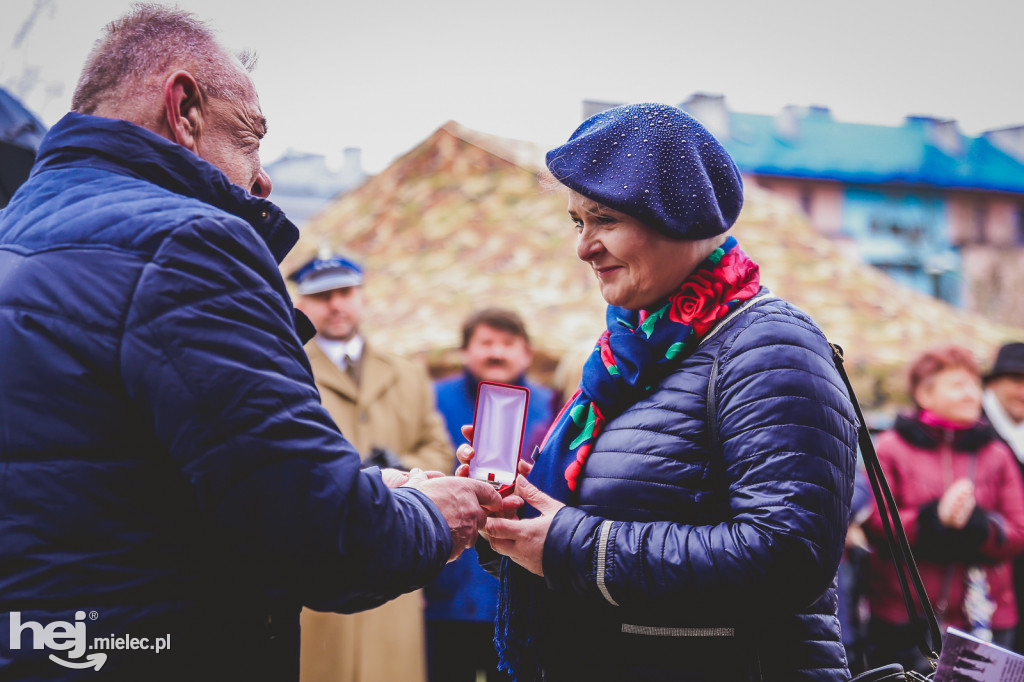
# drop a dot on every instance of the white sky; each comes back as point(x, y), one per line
point(382, 75)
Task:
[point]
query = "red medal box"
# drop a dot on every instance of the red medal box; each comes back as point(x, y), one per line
point(499, 426)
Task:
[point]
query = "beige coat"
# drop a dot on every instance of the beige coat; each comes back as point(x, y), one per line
point(392, 407)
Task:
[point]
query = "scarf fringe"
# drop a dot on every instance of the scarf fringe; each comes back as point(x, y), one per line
point(521, 617)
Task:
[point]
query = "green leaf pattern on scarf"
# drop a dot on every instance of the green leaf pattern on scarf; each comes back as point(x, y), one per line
point(588, 428)
point(647, 327)
point(675, 349)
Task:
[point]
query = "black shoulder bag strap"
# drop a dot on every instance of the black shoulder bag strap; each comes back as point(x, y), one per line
point(924, 623)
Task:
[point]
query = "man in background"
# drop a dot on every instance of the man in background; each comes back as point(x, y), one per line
point(384, 406)
point(167, 473)
point(1003, 403)
point(462, 602)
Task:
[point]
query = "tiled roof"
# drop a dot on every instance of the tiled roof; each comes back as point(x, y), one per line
point(466, 220)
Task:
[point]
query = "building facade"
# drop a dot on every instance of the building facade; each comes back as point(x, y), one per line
point(304, 183)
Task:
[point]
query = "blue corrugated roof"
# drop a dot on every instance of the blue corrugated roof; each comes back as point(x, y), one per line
point(820, 147)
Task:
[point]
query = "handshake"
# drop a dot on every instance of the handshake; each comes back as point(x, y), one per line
point(474, 508)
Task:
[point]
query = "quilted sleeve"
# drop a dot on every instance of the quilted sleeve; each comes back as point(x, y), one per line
point(211, 358)
point(788, 434)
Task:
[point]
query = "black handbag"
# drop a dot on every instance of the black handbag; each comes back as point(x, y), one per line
point(924, 621)
point(888, 673)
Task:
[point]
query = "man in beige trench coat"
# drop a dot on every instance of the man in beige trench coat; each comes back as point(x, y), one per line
point(379, 401)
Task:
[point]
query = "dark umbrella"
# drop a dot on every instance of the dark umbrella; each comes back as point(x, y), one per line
point(15, 165)
point(18, 125)
point(20, 135)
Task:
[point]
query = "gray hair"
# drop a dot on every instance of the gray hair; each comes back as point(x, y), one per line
point(148, 41)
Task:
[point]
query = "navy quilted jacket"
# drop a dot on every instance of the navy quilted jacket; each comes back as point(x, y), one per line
point(683, 559)
point(165, 465)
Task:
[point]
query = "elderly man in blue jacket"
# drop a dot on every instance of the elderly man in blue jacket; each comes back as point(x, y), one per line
point(171, 490)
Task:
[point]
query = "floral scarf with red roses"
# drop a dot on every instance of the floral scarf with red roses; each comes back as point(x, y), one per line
point(631, 357)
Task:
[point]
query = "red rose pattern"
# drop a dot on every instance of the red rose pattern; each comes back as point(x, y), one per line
point(702, 299)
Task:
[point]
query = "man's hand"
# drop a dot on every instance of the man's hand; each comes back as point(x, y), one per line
point(464, 503)
point(523, 541)
point(510, 505)
point(394, 478)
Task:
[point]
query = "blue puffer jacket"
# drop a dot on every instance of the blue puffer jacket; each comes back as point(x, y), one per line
point(683, 559)
point(166, 469)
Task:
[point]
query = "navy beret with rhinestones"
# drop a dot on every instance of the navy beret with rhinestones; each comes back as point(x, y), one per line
point(655, 163)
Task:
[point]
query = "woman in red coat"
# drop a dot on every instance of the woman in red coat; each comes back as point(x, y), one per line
point(961, 499)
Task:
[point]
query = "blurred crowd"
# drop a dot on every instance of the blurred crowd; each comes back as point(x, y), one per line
point(954, 461)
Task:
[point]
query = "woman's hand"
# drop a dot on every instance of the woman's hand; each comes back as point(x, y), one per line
point(464, 453)
point(522, 541)
point(957, 504)
point(856, 538)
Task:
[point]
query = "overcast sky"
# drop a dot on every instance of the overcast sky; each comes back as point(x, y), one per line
point(383, 75)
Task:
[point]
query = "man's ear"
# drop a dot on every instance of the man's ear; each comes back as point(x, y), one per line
point(183, 108)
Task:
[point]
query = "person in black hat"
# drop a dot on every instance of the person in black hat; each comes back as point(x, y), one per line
point(1004, 396)
point(384, 404)
point(1003, 403)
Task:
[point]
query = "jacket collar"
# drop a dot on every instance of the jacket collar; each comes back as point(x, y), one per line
point(329, 374)
point(376, 376)
point(128, 149)
point(930, 437)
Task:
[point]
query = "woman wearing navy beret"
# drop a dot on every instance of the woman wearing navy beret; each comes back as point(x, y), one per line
point(685, 517)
